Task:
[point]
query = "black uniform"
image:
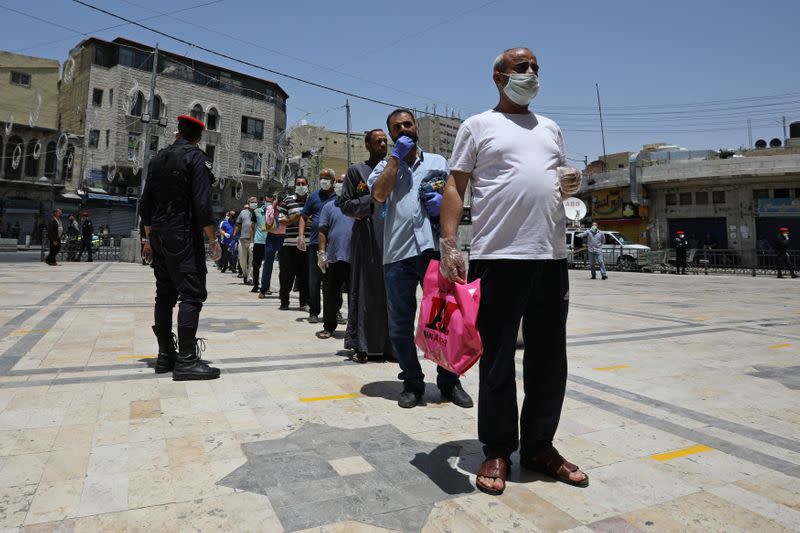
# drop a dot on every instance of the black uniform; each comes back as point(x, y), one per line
point(176, 204)
point(681, 246)
point(53, 241)
point(782, 261)
point(87, 230)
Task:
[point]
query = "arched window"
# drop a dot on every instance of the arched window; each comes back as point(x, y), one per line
point(68, 163)
point(137, 103)
point(158, 108)
point(212, 120)
point(50, 160)
point(197, 112)
point(11, 172)
point(31, 164)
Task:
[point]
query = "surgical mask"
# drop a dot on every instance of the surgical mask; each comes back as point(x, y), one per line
point(337, 188)
point(325, 185)
point(301, 190)
point(594, 229)
point(253, 205)
point(521, 88)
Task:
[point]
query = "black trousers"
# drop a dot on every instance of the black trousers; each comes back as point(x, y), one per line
point(314, 281)
point(680, 261)
point(174, 284)
point(293, 266)
point(53, 253)
point(334, 281)
point(258, 258)
point(783, 262)
point(86, 244)
point(536, 293)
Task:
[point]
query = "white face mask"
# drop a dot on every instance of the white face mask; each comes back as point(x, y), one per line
point(325, 185)
point(594, 229)
point(301, 190)
point(521, 88)
point(337, 188)
point(253, 205)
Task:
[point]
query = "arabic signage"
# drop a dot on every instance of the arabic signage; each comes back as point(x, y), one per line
point(609, 204)
point(786, 207)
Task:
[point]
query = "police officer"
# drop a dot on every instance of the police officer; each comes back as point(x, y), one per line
point(681, 245)
point(176, 211)
point(87, 231)
point(782, 245)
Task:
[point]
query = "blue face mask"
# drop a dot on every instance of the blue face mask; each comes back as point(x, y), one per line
point(594, 229)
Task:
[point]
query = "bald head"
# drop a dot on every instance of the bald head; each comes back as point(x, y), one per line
point(504, 60)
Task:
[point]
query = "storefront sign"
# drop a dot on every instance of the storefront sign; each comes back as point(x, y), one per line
point(779, 207)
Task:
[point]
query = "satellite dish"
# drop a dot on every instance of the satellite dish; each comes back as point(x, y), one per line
point(574, 208)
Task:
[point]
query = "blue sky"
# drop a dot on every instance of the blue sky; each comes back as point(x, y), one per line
point(690, 73)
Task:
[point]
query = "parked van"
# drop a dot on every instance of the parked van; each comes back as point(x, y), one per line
point(616, 250)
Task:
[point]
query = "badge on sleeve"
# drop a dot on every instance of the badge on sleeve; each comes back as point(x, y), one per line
point(208, 165)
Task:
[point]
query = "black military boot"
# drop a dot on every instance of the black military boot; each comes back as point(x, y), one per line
point(189, 366)
point(167, 349)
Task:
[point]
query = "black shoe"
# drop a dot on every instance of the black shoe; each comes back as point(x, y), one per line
point(189, 366)
point(593, 277)
point(605, 277)
point(458, 396)
point(409, 399)
point(167, 350)
point(313, 319)
point(254, 289)
point(284, 307)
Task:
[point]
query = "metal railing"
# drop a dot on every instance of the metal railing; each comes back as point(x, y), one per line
point(107, 250)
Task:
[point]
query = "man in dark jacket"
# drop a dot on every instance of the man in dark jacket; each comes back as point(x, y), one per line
point(681, 246)
point(176, 211)
point(782, 260)
point(54, 230)
point(87, 230)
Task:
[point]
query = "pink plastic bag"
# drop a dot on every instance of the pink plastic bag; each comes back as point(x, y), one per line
point(446, 330)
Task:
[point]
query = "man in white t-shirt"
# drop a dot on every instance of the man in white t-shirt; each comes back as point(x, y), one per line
point(514, 161)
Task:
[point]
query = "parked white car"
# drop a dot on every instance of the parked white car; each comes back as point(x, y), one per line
point(616, 250)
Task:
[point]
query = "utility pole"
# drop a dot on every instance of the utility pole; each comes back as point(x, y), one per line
point(784, 129)
point(602, 130)
point(749, 134)
point(146, 157)
point(349, 154)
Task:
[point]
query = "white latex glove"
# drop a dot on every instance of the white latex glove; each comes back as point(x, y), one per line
point(569, 181)
point(322, 260)
point(301, 243)
point(451, 264)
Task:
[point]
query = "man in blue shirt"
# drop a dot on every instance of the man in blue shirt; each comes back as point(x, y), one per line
point(333, 258)
point(310, 213)
point(408, 245)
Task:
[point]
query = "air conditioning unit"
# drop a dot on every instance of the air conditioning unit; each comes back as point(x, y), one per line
point(132, 191)
point(215, 197)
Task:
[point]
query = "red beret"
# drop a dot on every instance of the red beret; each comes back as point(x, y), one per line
point(784, 230)
point(192, 120)
point(679, 232)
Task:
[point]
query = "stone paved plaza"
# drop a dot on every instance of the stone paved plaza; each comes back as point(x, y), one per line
point(683, 407)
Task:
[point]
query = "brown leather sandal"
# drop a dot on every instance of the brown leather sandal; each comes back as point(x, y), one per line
point(551, 463)
point(496, 468)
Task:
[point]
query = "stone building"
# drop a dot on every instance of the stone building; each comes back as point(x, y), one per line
point(33, 180)
point(104, 94)
point(313, 148)
point(437, 134)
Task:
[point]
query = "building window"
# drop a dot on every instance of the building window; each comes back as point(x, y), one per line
point(68, 163)
point(718, 197)
point(685, 198)
point(250, 163)
point(781, 193)
point(137, 102)
point(133, 142)
point(197, 112)
point(158, 106)
point(211, 151)
point(94, 138)
point(20, 78)
point(111, 97)
point(701, 198)
point(50, 160)
point(108, 137)
point(758, 194)
point(97, 97)
point(672, 198)
point(31, 164)
point(252, 128)
point(154, 143)
point(212, 120)
point(11, 146)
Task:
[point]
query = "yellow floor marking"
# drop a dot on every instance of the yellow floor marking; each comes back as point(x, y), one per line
point(702, 318)
point(18, 332)
point(325, 398)
point(691, 450)
point(123, 357)
point(779, 346)
point(615, 367)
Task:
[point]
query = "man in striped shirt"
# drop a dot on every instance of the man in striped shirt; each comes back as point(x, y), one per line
point(292, 262)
